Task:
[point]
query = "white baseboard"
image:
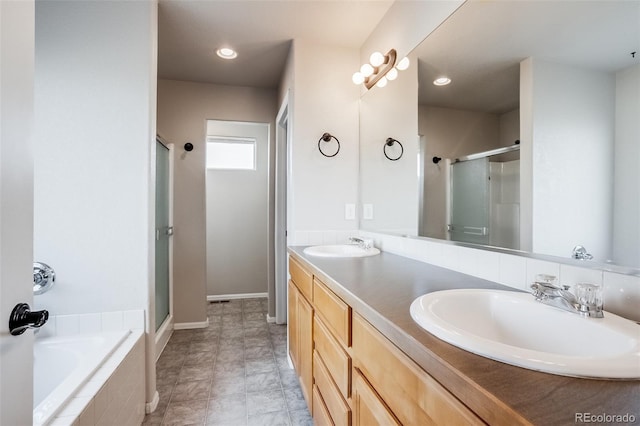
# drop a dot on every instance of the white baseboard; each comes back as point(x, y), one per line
point(270, 319)
point(150, 407)
point(213, 298)
point(190, 325)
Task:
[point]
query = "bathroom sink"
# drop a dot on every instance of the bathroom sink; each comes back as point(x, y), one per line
point(341, 250)
point(514, 328)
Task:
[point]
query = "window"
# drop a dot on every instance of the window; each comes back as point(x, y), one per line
point(231, 153)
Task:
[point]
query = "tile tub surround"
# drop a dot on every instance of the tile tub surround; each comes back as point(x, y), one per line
point(234, 372)
point(382, 288)
point(115, 394)
point(621, 291)
point(94, 401)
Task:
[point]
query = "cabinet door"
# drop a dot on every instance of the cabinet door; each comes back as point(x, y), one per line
point(414, 396)
point(368, 408)
point(305, 345)
point(292, 323)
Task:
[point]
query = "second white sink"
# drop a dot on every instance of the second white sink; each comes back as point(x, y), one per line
point(514, 328)
point(341, 250)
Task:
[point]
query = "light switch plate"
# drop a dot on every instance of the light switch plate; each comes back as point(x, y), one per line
point(349, 211)
point(367, 211)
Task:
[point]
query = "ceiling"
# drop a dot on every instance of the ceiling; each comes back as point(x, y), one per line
point(260, 31)
point(481, 45)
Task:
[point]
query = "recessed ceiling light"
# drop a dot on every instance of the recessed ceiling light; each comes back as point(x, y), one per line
point(442, 81)
point(226, 53)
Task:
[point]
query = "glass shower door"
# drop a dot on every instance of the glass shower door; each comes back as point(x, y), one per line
point(162, 233)
point(470, 201)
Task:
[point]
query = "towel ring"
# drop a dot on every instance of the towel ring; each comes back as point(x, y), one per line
point(390, 142)
point(326, 137)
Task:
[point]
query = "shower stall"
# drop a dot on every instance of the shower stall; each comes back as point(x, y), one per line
point(484, 198)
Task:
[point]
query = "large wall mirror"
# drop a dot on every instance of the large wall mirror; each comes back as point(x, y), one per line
point(533, 145)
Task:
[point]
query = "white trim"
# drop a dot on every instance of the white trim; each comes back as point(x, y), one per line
point(282, 203)
point(215, 297)
point(163, 335)
point(190, 325)
point(270, 319)
point(150, 407)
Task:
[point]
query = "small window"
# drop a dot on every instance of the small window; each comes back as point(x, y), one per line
point(231, 153)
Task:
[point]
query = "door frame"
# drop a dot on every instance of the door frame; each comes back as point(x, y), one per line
point(283, 214)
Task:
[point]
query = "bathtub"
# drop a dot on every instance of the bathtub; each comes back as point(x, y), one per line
point(62, 364)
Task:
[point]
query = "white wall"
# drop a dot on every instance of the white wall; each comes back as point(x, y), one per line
point(92, 153)
point(95, 82)
point(571, 142)
point(626, 223)
point(391, 187)
point(405, 25)
point(324, 100)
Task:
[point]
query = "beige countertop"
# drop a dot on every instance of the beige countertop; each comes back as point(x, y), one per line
point(381, 289)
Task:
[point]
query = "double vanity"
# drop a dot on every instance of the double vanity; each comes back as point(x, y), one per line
point(363, 359)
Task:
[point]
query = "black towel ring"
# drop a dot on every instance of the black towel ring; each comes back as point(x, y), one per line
point(326, 137)
point(390, 142)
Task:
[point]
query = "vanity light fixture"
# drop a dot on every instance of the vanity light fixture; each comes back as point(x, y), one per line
point(380, 69)
point(227, 53)
point(442, 81)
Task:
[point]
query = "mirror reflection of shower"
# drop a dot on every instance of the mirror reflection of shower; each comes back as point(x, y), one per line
point(484, 198)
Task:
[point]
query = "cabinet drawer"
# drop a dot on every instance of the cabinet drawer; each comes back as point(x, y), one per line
point(321, 416)
point(413, 395)
point(301, 277)
point(368, 408)
point(336, 406)
point(335, 313)
point(336, 360)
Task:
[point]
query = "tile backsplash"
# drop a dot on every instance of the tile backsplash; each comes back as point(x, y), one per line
point(621, 292)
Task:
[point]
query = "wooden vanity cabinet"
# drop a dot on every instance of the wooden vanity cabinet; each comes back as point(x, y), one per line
point(352, 374)
point(300, 324)
point(411, 394)
point(331, 360)
point(368, 408)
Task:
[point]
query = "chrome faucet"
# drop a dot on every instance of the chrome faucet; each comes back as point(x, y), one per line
point(587, 302)
point(364, 244)
point(579, 252)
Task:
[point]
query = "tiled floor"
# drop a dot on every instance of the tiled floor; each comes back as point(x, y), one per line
point(234, 372)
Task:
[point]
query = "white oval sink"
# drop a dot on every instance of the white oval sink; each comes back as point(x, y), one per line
point(340, 250)
point(516, 329)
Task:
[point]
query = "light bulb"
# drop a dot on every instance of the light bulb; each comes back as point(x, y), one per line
point(442, 81)
point(357, 78)
point(366, 70)
point(376, 59)
point(227, 53)
point(403, 64)
point(382, 82)
point(392, 74)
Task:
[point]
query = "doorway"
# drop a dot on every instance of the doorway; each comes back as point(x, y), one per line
point(237, 218)
point(282, 215)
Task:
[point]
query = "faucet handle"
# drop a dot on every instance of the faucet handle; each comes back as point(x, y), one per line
point(589, 298)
